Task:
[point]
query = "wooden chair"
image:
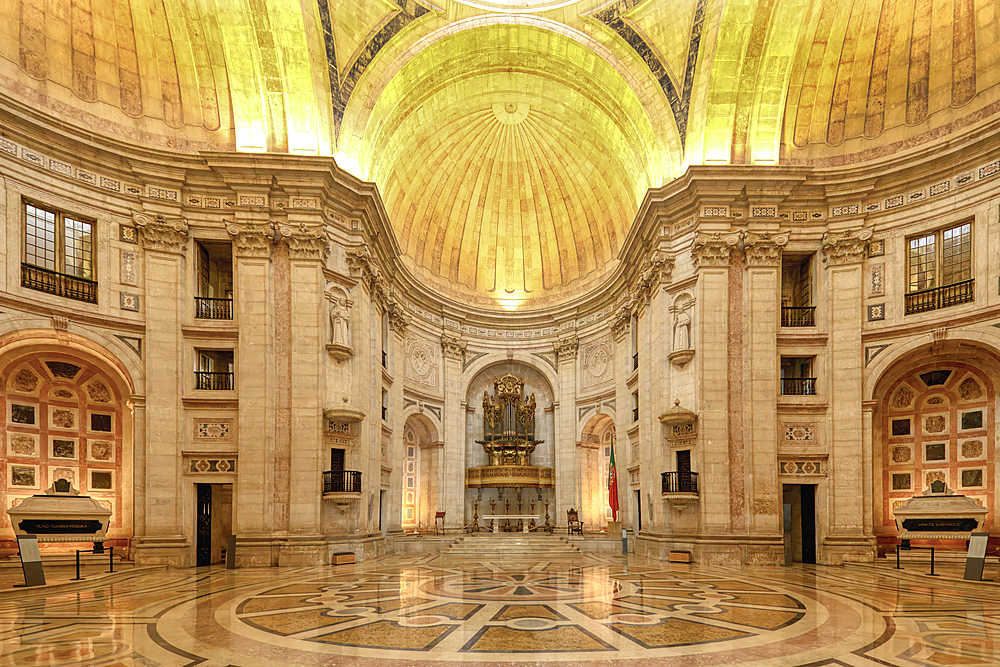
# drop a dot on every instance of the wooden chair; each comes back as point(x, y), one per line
point(439, 523)
point(573, 522)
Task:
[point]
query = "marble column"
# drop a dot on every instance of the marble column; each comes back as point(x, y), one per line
point(452, 489)
point(763, 299)
point(308, 249)
point(393, 512)
point(846, 539)
point(163, 538)
point(567, 474)
point(253, 521)
point(721, 484)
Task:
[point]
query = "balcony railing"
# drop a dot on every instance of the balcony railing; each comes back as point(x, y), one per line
point(798, 316)
point(680, 482)
point(60, 284)
point(798, 386)
point(213, 381)
point(213, 309)
point(341, 481)
point(940, 297)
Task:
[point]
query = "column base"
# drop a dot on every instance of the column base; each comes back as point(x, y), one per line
point(714, 549)
point(302, 551)
point(169, 550)
point(840, 549)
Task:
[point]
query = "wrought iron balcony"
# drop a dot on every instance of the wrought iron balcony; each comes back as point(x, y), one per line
point(60, 284)
point(798, 316)
point(341, 481)
point(798, 386)
point(205, 380)
point(680, 482)
point(940, 297)
point(213, 309)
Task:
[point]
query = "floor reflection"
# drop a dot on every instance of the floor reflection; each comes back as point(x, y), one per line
point(579, 610)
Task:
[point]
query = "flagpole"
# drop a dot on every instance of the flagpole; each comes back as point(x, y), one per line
point(613, 494)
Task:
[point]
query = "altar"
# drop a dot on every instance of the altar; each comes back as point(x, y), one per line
point(526, 521)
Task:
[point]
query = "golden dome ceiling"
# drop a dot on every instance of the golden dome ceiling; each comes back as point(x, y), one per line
point(606, 100)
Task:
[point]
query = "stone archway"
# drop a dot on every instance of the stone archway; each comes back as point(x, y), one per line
point(421, 468)
point(595, 457)
point(934, 418)
point(67, 416)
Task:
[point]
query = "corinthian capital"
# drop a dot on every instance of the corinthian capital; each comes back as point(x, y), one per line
point(452, 347)
point(764, 249)
point(566, 348)
point(846, 247)
point(659, 266)
point(305, 242)
point(713, 249)
point(251, 239)
point(398, 319)
point(161, 234)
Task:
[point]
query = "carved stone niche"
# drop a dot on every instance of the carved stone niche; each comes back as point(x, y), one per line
point(681, 426)
point(341, 331)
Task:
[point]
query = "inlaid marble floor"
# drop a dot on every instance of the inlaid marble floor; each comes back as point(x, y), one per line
point(584, 611)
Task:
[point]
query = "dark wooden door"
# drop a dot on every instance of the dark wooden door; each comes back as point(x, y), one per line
point(336, 459)
point(204, 543)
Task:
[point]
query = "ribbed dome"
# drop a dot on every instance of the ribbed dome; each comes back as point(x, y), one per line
point(512, 183)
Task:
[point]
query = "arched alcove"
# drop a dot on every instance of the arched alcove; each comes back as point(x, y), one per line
point(68, 415)
point(421, 472)
point(934, 418)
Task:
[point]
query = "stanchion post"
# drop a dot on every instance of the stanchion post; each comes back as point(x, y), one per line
point(897, 555)
point(932, 562)
point(78, 577)
point(111, 560)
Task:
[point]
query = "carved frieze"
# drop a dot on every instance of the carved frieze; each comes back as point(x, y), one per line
point(251, 239)
point(161, 234)
point(713, 249)
point(305, 242)
point(764, 249)
point(452, 347)
point(846, 247)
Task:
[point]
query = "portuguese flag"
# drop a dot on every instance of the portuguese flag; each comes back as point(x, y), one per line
point(613, 484)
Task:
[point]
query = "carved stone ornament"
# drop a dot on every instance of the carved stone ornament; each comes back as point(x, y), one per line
point(619, 321)
point(659, 267)
point(713, 249)
point(361, 265)
point(566, 348)
point(452, 347)
point(251, 239)
point(398, 319)
point(846, 247)
point(305, 242)
point(161, 234)
point(764, 249)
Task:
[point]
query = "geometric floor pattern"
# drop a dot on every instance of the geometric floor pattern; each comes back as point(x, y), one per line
point(586, 610)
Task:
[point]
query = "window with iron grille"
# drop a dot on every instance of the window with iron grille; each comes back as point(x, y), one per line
point(939, 269)
point(58, 253)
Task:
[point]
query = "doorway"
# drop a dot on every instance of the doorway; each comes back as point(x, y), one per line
point(214, 522)
point(800, 516)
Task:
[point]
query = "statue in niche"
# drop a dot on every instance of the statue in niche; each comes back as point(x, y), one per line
point(682, 331)
point(340, 334)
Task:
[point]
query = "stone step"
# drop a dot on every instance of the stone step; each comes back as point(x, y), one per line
point(511, 544)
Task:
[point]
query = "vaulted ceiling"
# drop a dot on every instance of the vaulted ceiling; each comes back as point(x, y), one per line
point(512, 140)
